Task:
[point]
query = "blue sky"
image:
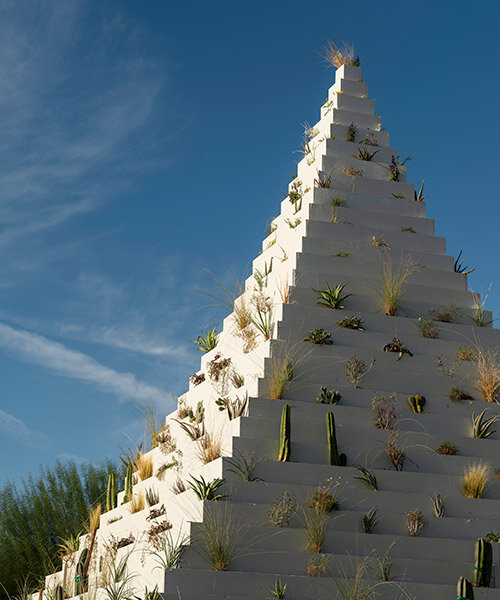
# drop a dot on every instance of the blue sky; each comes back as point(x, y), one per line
point(143, 142)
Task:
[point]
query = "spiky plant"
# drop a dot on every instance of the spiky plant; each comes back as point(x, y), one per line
point(332, 296)
point(475, 479)
point(367, 478)
point(207, 340)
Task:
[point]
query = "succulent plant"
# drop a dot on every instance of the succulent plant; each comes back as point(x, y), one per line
point(111, 492)
point(457, 394)
point(128, 483)
point(196, 417)
point(417, 403)
point(59, 593)
point(482, 563)
point(351, 323)
point(284, 453)
point(397, 346)
point(465, 591)
point(328, 396)
point(333, 452)
point(319, 336)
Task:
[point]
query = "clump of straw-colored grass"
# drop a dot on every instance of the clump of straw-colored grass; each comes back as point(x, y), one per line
point(487, 374)
point(338, 55)
point(209, 447)
point(475, 479)
point(144, 466)
point(137, 503)
point(280, 375)
point(390, 283)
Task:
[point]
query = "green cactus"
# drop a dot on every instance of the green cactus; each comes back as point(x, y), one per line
point(128, 483)
point(59, 593)
point(483, 563)
point(284, 454)
point(328, 396)
point(417, 403)
point(333, 452)
point(111, 492)
point(196, 417)
point(465, 591)
point(80, 579)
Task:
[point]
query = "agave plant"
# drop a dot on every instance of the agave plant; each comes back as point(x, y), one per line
point(206, 490)
point(332, 296)
point(319, 336)
point(420, 196)
point(365, 154)
point(207, 340)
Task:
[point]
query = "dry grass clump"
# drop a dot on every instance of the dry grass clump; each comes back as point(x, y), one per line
point(143, 466)
point(487, 374)
point(209, 447)
point(137, 503)
point(390, 284)
point(338, 55)
point(475, 479)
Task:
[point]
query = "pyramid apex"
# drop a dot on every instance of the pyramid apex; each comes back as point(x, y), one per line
point(349, 72)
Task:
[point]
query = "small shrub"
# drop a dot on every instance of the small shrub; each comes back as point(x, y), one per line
point(437, 505)
point(491, 536)
point(137, 503)
point(323, 501)
point(144, 466)
point(475, 479)
point(448, 448)
point(379, 242)
point(351, 132)
point(209, 447)
point(319, 336)
point(428, 329)
point(487, 377)
point(399, 195)
point(390, 284)
point(197, 378)
point(369, 520)
point(465, 353)
point(351, 323)
point(384, 407)
point(456, 394)
point(336, 55)
point(446, 314)
point(395, 451)
point(328, 396)
point(282, 510)
point(393, 169)
point(408, 229)
point(317, 565)
point(367, 477)
point(356, 369)
point(397, 346)
point(415, 522)
point(342, 254)
point(332, 296)
point(444, 367)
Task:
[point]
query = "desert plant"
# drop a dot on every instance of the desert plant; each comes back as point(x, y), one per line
point(465, 590)
point(497, 473)
point(487, 374)
point(342, 254)
point(197, 378)
point(319, 336)
point(313, 520)
point(270, 229)
point(365, 154)
point(415, 522)
point(324, 501)
point(478, 312)
point(481, 427)
point(280, 375)
point(351, 323)
point(386, 415)
point(209, 447)
point(408, 229)
point(493, 536)
point(399, 195)
point(456, 394)
point(444, 367)
point(118, 579)
point(317, 565)
point(243, 465)
point(351, 132)
point(336, 202)
point(169, 551)
point(206, 490)
point(152, 496)
point(235, 408)
point(324, 181)
point(137, 503)
point(428, 329)
point(178, 487)
point(379, 242)
point(328, 396)
point(195, 432)
point(277, 591)
point(395, 451)
point(334, 458)
point(420, 196)
point(459, 266)
point(69, 544)
point(446, 448)
point(368, 520)
point(475, 479)
point(393, 169)
point(397, 346)
point(438, 505)
point(111, 492)
point(356, 369)
point(384, 565)
point(144, 466)
point(332, 297)
point(446, 314)
point(128, 483)
point(417, 403)
point(390, 284)
point(263, 319)
point(483, 563)
point(285, 429)
point(282, 510)
point(367, 477)
point(207, 340)
point(338, 55)
point(465, 353)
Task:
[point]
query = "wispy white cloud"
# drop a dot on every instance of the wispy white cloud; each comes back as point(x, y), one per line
point(16, 428)
point(36, 349)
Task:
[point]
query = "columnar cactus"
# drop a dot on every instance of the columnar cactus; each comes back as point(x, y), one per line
point(333, 452)
point(59, 593)
point(483, 563)
point(417, 403)
point(111, 492)
point(80, 578)
point(128, 483)
point(465, 591)
point(284, 454)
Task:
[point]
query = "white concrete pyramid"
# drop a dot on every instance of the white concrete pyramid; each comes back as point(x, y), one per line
point(344, 233)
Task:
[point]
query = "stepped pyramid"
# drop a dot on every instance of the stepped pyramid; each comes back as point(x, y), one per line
point(346, 220)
